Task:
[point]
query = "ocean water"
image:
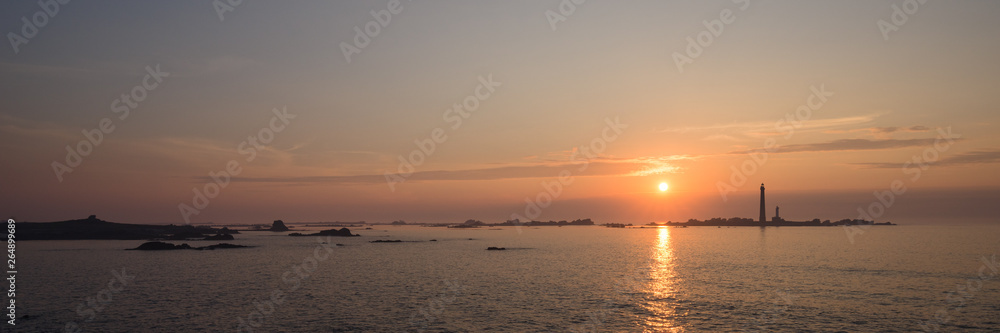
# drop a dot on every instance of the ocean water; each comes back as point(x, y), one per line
point(583, 279)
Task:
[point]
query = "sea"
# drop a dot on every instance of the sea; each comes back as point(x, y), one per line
point(548, 279)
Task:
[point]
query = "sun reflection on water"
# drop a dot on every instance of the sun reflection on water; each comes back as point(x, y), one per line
point(661, 291)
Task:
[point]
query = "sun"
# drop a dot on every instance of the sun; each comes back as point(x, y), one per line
point(664, 187)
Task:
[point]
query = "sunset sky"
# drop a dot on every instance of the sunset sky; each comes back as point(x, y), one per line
point(555, 92)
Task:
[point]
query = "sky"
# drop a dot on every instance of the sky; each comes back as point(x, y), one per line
point(248, 112)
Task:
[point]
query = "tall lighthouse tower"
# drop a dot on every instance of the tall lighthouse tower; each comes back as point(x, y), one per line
point(763, 217)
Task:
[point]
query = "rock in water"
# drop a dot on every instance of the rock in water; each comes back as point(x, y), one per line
point(157, 246)
point(278, 225)
point(343, 232)
point(222, 246)
point(220, 237)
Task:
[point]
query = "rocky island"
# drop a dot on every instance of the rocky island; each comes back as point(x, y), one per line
point(94, 228)
point(343, 232)
point(161, 246)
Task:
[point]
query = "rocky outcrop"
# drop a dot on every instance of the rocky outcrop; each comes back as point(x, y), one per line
point(161, 246)
point(94, 228)
point(221, 246)
point(278, 225)
point(220, 237)
point(494, 248)
point(342, 232)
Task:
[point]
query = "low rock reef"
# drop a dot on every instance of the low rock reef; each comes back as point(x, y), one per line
point(342, 232)
point(161, 246)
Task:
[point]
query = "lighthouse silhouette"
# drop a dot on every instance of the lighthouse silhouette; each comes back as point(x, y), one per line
point(763, 217)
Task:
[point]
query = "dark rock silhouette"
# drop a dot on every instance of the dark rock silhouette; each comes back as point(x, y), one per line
point(221, 246)
point(93, 228)
point(386, 241)
point(278, 225)
point(220, 237)
point(158, 246)
point(161, 246)
point(494, 248)
point(777, 222)
point(342, 232)
point(549, 223)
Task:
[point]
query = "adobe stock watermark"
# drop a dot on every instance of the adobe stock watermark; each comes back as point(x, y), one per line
point(900, 15)
point(293, 278)
point(363, 36)
point(88, 310)
point(551, 190)
point(435, 306)
point(758, 157)
point(565, 9)
point(455, 115)
point(217, 181)
point(223, 6)
point(703, 39)
point(123, 106)
point(957, 299)
point(39, 19)
point(914, 167)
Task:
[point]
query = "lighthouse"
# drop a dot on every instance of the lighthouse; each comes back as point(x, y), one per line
point(763, 217)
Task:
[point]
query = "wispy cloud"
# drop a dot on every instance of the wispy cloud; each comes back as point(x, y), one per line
point(770, 127)
point(974, 157)
point(882, 132)
point(847, 145)
point(817, 125)
point(601, 166)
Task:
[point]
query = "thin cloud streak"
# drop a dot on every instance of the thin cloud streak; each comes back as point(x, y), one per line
point(768, 128)
point(847, 145)
point(598, 167)
point(883, 132)
point(974, 157)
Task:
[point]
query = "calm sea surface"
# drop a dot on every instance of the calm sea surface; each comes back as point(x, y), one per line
point(696, 279)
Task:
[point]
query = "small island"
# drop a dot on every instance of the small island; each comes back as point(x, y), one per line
point(342, 232)
point(161, 246)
